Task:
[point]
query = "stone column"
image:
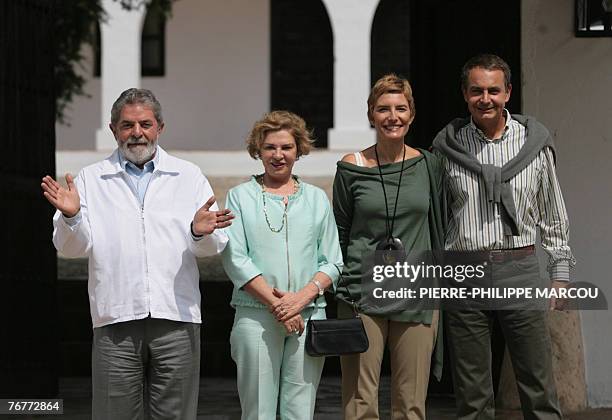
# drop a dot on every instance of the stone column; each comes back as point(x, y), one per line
point(544, 68)
point(351, 22)
point(120, 61)
point(568, 366)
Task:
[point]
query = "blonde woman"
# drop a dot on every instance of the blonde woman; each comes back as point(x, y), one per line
point(386, 197)
point(281, 257)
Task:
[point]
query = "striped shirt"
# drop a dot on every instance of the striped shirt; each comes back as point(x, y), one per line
point(475, 224)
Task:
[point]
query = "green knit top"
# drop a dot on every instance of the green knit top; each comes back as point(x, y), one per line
point(359, 210)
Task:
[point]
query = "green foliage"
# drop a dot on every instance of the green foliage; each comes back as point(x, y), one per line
point(74, 26)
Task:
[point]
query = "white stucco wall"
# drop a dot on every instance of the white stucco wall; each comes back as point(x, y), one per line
point(83, 114)
point(568, 86)
point(216, 84)
point(217, 80)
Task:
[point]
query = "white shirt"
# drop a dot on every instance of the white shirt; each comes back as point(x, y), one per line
point(142, 258)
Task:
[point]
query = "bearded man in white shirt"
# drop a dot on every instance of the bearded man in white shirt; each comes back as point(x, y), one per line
point(142, 217)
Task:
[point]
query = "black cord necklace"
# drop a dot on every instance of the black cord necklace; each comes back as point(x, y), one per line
point(390, 243)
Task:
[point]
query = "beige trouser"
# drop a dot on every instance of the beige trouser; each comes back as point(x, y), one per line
point(410, 348)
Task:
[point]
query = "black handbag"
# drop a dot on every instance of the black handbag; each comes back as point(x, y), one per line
point(333, 337)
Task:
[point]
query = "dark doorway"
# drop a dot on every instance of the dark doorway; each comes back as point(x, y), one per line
point(390, 43)
point(29, 332)
point(445, 34)
point(428, 42)
point(390, 40)
point(302, 73)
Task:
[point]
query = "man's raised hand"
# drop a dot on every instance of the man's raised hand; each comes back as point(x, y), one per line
point(205, 221)
point(65, 200)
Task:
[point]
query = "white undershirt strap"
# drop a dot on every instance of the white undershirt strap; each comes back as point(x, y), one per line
point(359, 159)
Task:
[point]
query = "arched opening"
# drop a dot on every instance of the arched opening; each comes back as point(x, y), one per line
point(302, 59)
point(97, 50)
point(152, 45)
point(390, 39)
point(153, 42)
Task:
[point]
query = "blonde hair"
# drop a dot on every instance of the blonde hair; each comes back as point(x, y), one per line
point(390, 83)
point(277, 121)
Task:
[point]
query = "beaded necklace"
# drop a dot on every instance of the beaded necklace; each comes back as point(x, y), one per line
point(296, 187)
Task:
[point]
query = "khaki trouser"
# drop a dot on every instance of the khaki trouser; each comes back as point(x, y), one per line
point(410, 348)
point(468, 334)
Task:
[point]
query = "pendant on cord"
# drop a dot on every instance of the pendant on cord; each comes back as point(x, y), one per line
point(391, 250)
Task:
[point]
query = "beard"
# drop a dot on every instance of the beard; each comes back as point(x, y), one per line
point(138, 155)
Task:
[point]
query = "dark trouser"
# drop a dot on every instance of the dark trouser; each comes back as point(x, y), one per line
point(528, 340)
point(147, 366)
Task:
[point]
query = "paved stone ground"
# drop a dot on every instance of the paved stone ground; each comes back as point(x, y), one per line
point(219, 401)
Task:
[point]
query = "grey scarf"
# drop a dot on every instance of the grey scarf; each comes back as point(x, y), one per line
point(496, 179)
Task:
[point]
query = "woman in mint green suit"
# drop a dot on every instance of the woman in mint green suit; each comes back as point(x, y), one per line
point(282, 255)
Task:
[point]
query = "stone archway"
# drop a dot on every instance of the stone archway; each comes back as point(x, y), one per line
point(302, 63)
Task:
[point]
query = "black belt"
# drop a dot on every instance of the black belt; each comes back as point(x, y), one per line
point(501, 255)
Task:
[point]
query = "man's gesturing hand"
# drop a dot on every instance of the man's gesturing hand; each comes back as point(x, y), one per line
point(205, 221)
point(65, 200)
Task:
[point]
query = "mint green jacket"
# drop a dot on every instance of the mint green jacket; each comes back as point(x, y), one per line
point(288, 259)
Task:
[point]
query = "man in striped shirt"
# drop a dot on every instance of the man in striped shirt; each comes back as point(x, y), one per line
point(501, 189)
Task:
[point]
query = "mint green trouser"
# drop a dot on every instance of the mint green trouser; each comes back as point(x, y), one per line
point(273, 367)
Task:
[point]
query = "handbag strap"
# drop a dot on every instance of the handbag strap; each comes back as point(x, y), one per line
point(352, 302)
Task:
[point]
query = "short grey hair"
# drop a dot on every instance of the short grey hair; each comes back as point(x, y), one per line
point(136, 96)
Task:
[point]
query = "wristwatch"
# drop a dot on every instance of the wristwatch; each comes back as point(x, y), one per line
point(318, 284)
